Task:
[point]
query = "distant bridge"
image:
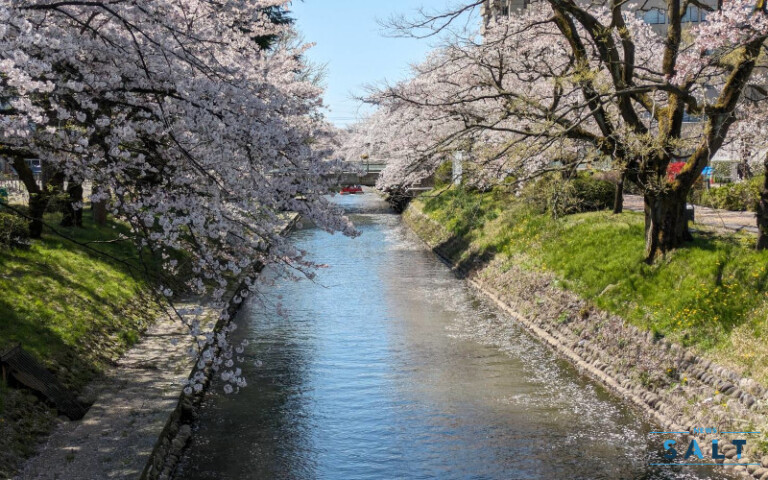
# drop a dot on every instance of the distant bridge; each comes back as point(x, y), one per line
point(367, 176)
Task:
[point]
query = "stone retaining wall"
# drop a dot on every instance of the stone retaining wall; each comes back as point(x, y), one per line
point(675, 387)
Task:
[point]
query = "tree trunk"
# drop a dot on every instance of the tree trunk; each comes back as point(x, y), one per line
point(37, 200)
point(73, 208)
point(743, 170)
point(98, 207)
point(37, 205)
point(666, 224)
point(53, 190)
point(618, 199)
point(762, 211)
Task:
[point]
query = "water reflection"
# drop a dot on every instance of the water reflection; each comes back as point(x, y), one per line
point(388, 367)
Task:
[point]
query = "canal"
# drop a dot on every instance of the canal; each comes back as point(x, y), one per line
point(386, 366)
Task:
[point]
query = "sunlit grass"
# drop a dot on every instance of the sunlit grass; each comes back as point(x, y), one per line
point(77, 306)
point(702, 295)
point(71, 306)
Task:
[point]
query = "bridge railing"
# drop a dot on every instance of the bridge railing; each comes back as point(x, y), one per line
point(373, 167)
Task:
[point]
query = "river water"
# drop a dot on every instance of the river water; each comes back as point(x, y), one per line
point(388, 367)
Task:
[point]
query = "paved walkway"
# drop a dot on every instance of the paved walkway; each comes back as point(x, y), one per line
point(722, 219)
point(116, 437)
point(135, 399)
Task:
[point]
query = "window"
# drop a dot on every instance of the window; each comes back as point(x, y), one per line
point(691, 14)
point(688, 118)
point(655, 16)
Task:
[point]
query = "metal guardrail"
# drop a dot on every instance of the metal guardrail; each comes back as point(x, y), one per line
point(373, 167)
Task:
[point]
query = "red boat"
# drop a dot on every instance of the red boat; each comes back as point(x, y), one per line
point(352, 189)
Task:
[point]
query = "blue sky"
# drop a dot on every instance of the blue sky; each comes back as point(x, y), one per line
point(351, 43)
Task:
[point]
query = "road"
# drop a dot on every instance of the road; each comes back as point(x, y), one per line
point(721, 219)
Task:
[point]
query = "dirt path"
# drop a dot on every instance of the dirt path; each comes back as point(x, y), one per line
point(722, 219)
point(135, 399)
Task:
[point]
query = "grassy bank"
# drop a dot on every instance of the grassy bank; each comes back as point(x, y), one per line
point(75, 309)
point(712, 295)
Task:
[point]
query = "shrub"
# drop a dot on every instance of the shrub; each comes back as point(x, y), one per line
point(722, 172)
point(611, 176)
point(14, 232)
point(592, 194)
point(444, 174)
point(733, 196)
point(58, 202)
point(557, 196)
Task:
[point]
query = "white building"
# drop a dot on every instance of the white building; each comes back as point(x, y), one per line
point(654, 12)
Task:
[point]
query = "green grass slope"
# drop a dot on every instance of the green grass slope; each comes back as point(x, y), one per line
point(75, 309)
point(711, 296)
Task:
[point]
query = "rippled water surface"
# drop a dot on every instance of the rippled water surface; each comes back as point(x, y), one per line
point(387, 367)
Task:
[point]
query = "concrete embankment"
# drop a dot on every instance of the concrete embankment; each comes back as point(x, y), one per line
point(173, 438)
point(677, 388)
point(141, 420)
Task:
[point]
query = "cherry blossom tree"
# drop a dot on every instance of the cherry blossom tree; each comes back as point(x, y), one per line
point(197, 135)
point(551, 86)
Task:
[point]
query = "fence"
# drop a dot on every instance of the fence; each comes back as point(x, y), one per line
point(17, 192)
point(15, 189)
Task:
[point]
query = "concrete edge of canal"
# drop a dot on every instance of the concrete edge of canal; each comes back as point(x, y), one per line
point(177, 432)
point(670, 384)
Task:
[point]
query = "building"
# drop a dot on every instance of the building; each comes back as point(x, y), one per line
point(494, 8)
point(654, 12)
